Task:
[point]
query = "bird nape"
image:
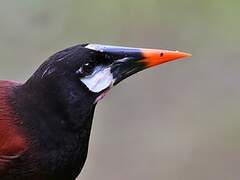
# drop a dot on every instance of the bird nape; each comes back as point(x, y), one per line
point(45, 123)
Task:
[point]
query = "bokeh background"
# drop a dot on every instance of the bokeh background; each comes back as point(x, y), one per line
point(178, 121)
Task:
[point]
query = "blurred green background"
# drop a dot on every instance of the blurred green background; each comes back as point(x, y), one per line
point(179, 121)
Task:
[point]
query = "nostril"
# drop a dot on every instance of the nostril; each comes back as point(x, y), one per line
point(161, 54)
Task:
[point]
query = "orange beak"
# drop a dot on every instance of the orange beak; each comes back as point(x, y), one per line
point(153, 57)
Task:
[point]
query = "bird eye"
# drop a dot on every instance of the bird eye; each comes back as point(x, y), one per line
point(86, 69)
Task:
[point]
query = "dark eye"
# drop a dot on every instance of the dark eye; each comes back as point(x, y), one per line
point(86, 69)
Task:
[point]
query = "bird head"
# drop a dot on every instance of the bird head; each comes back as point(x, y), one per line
point(93, 69)
point(56, 105)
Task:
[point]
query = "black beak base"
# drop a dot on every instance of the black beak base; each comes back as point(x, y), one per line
point(122, 69)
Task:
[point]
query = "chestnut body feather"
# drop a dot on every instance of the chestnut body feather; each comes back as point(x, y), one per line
point(12, 142)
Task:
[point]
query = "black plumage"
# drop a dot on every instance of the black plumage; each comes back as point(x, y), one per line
point(52, 112)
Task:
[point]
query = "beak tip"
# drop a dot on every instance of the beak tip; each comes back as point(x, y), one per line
point(186, 55)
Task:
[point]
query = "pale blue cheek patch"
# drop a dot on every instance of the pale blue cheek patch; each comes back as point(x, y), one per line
point(100, 79)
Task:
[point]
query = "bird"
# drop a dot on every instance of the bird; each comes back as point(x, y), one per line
point(45, 122)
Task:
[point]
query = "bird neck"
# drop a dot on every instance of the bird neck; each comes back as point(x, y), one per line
point(58, 121)
point(73, 107)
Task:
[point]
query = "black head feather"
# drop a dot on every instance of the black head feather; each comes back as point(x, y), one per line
point(57, 111)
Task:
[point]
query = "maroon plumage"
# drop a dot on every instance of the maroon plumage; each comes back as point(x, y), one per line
point(12, 141)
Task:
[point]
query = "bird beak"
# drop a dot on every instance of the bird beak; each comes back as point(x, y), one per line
point(128, 61)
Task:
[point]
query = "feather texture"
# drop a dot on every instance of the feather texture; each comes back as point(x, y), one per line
point(12, 143)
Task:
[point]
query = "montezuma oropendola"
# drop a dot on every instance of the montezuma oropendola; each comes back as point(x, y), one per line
point(45, 122)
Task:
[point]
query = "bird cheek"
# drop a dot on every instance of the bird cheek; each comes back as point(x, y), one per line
point(100, 80)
